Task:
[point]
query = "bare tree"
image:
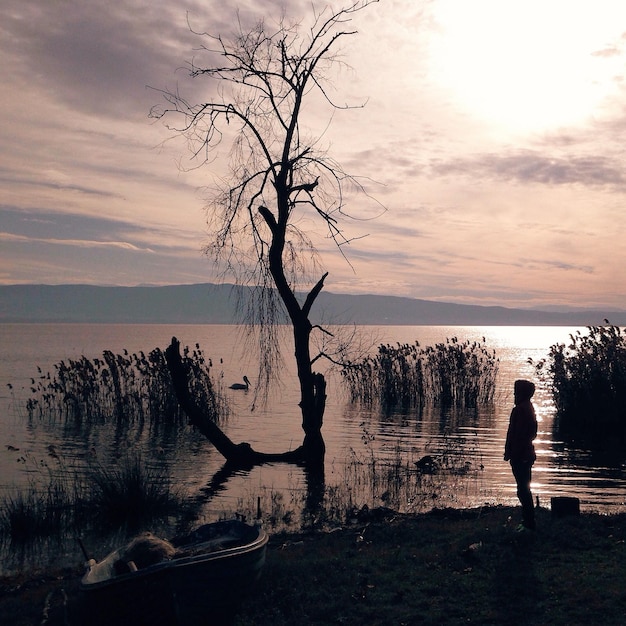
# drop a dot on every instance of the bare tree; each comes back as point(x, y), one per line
point(262, 78)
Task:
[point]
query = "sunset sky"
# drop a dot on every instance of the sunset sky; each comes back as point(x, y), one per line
point(495, 132)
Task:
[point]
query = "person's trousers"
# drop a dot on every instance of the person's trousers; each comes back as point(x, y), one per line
point(522, 471)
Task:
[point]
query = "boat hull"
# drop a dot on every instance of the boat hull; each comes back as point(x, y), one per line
point(199, 587)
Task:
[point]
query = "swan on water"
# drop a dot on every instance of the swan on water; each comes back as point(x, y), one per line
point(245, 385)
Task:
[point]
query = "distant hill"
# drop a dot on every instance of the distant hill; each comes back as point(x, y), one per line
point(217, 304)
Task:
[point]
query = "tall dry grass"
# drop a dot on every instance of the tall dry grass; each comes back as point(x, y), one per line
point(126, 390)
point(408, 376)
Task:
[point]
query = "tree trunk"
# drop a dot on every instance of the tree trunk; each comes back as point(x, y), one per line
point(312, 385)
point(240, 455)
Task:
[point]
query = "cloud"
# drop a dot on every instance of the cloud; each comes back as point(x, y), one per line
point(530, 167)
point(80, 243)
point(93, 191)
point(74, 248)
point(95, 57)
point(59, 186)
point(99, 57)
point(42, 227)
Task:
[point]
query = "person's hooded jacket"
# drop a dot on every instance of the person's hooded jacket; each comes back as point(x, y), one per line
point(522, 425)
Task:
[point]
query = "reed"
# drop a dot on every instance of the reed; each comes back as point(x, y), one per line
point(133, 495)
point(44, 507)
point(130, 494)
point(59, 501)
point(132, 389)
point(29, 514)
point(587, 378)
point(365, 485)
point(408, 376)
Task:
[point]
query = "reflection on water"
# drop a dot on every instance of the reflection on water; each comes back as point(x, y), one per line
point(350, 431)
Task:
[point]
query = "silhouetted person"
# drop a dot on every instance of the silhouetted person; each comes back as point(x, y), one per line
point(519, 449)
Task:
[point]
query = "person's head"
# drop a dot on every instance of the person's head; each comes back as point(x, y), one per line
point(523, 390)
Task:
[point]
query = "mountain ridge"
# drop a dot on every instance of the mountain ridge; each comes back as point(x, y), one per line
point(209, 303)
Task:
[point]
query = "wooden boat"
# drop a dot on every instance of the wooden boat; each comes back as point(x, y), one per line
point(209, 573)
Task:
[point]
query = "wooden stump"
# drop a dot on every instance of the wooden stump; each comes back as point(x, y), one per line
point(563, 506)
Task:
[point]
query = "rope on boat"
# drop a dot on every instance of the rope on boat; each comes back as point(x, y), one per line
point(55, 609)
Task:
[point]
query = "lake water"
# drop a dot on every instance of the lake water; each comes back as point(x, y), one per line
point(350, 432)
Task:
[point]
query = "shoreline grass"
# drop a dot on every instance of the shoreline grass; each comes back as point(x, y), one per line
point(449, 566)
point(62, 502)
point(134, 491)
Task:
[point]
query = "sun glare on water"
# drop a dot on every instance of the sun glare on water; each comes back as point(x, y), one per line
point(529, 66)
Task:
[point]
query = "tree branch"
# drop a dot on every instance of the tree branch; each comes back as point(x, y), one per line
point(310, 299)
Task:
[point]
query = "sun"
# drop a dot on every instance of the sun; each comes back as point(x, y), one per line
point(529, 65)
